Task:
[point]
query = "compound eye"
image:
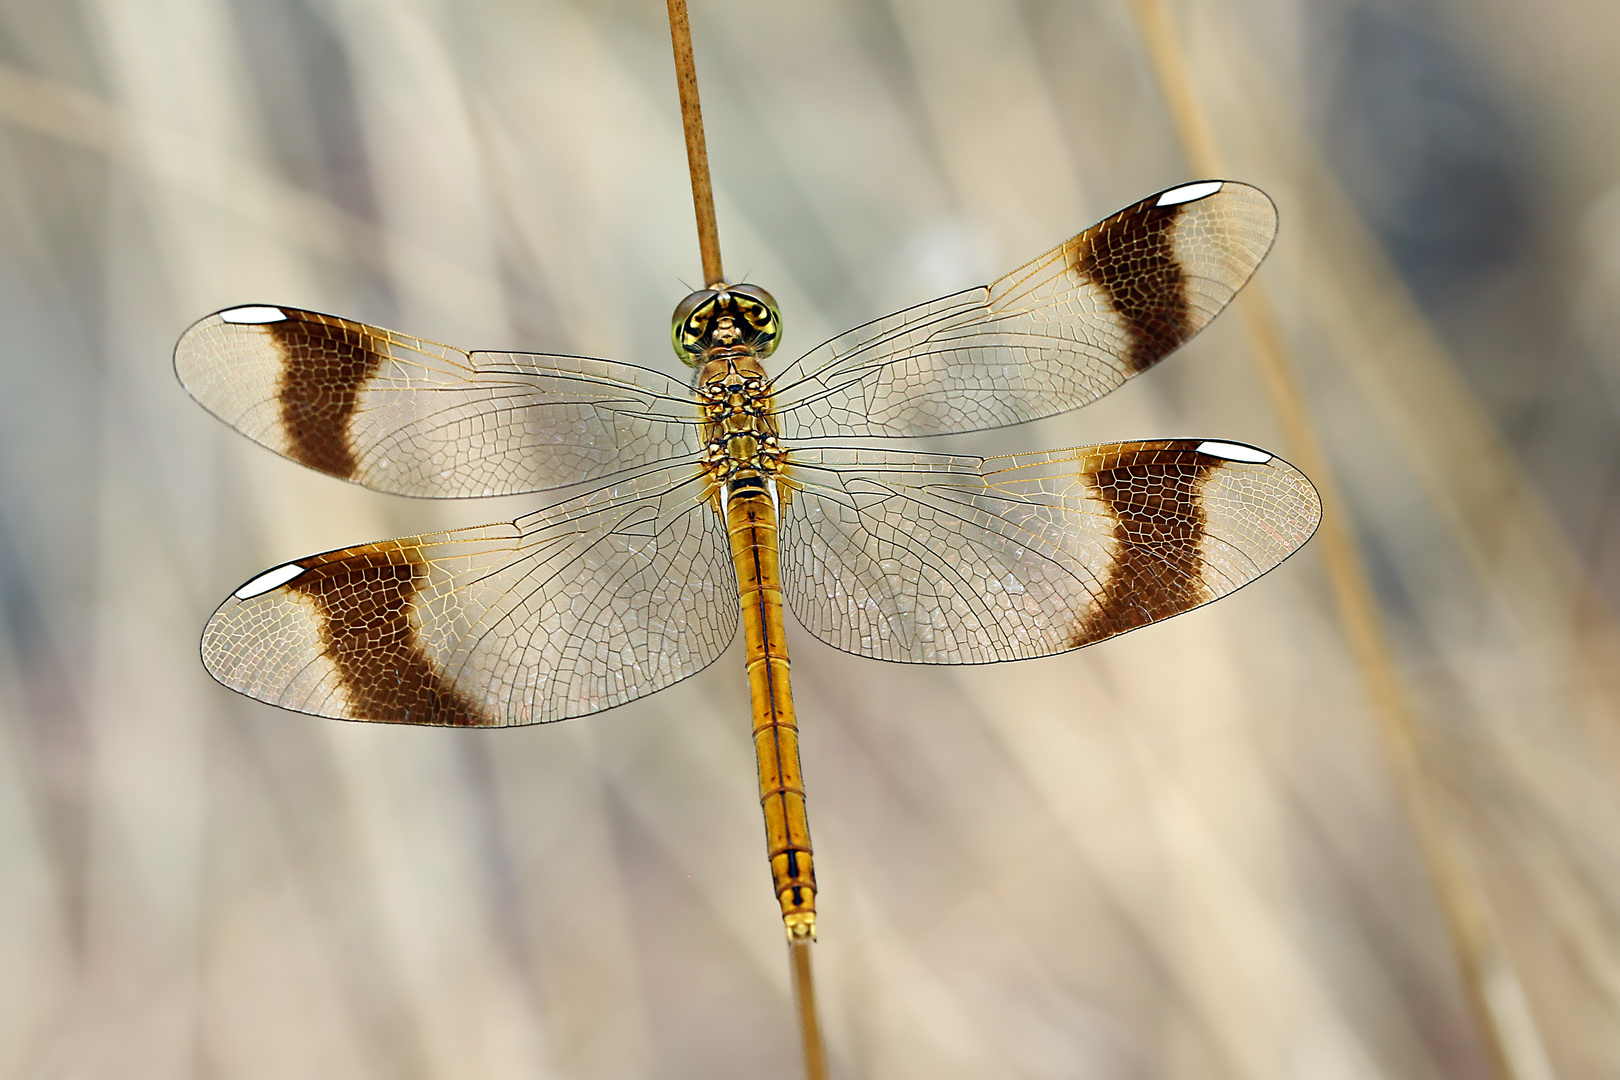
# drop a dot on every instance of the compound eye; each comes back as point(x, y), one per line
point(690, 321)
point(754, 292)
point(764, 317)
point(685, 309)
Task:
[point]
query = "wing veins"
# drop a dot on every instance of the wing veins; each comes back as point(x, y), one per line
point(559, 543)
point(881, 339)
point(1040, 548)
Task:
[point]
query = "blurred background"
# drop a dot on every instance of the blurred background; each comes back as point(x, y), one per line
point(1183, 853)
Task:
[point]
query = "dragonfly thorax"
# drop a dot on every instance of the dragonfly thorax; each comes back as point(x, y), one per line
point(739, 424)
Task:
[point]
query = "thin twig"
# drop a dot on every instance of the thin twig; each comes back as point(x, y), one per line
point(697, 156)
point(697, 153)
point(1483, 963)
point(804, 997)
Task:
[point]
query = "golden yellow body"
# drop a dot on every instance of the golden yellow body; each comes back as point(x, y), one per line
point(751, 521)
point(727, 334)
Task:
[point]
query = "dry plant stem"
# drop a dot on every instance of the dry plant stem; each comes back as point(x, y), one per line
point(697, 153)
point(1484, 966)
point(697, 156)
point(804, 999)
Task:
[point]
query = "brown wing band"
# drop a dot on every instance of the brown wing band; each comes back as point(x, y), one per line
point(1155, 496)
point(1132, 258)
point(324, 366)
point(363, 598)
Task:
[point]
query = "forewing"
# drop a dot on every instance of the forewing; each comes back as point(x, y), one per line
point(407, 416)
point(1050, 336)
point(936, 559)
point(571, 610)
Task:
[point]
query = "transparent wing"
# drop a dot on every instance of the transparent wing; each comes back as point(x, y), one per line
point(402, 415)
point(1050, 336)
point(577, 608)
point(937, 559)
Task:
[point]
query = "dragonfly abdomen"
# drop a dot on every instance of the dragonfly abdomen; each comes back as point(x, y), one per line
point(751, 523)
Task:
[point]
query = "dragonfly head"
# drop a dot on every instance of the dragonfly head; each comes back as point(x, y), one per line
point(730, 318)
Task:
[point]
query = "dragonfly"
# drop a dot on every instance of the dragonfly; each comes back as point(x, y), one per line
point(685, 508)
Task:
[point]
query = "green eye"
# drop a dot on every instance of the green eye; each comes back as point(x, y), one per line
point(751, 305)
point(759, 309)
point(687, 325)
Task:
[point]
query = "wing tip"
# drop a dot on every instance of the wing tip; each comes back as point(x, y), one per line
point(1186, 196)
point(1310, 505)
point(246, 315)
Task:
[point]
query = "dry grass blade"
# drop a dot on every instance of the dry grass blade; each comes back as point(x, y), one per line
point(1488, 976)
